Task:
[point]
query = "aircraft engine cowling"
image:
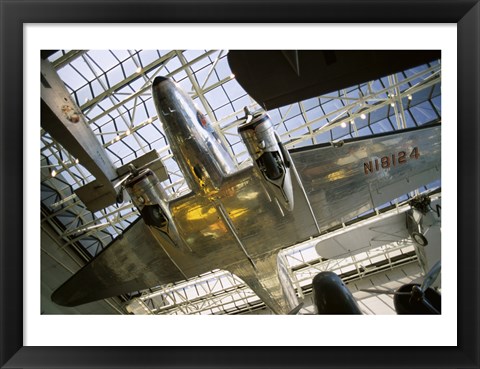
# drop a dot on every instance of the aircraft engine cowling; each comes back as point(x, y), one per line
point(269, 156)
point(149, 198)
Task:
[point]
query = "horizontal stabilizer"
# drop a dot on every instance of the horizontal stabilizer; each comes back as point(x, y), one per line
point(96, 196)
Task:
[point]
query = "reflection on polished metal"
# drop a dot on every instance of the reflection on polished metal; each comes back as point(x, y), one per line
point(199, 152)
point(233, 219)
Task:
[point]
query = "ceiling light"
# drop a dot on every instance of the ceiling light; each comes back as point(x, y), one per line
point(343, 124)
point(53, 172)
point(352, 121)
point(363, 116)
point(77, 161)
point(139, 70)
point(117, 138)
point(149, 120)
point(409, 97)
point(392, 105)
point(232, 76)
point(127, 132)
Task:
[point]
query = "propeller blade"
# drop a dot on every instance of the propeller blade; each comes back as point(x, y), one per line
point(122, 180)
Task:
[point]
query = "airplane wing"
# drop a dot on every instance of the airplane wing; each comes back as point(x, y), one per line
point(345, 180)
point(275, 78)
point(133, 262)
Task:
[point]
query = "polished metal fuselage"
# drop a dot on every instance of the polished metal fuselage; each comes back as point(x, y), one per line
point(201, 156)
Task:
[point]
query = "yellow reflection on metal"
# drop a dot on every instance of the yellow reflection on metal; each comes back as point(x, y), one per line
point(200, 212)
point(339, 174)
point(237, 213)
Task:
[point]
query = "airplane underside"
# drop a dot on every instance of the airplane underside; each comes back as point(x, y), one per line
point(235, 219)
point(241, 227)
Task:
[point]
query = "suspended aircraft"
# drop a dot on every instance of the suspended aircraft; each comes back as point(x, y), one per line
point(331, 295)
point(235, 217)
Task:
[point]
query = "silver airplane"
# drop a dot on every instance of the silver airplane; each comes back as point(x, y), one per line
point(238, 218)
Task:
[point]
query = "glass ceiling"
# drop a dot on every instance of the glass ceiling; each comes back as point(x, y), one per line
point(112, 88)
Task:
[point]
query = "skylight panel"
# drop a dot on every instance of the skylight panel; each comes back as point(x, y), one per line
point(233, 90)
point(310, 103)
point(437, 102)
point(122, 149)
point(217, 98)
point(341, 132)
point(294, 122)
point(313, 114)
point(185, 84)
point(97, 86)
point(423, 113)
point(115, 75)
point(148, 56)
point(361, 123)
point(206, 77)
point(103, 58)
point(275, 116)
point(224, 111)
point(173, 65)
point(241, 102)
point(148, 132)
point(140, 116)
point(137, 84)
point(381, 114)
point(129, 67)
point(323, 137)
point(121, 55)
point(366, 131)
point(382, 126)
point(83, 69)
point(71, 77)
point(332, 106)
point(222, 68)
point(83, 95)
point(290, 111)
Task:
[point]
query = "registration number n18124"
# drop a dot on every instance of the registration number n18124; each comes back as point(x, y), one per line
point(390, 160)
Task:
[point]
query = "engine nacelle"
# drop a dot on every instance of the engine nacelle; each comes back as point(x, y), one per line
point(149, 198)
point(269, 155)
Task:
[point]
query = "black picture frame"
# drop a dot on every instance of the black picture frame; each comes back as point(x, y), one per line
point(14, 14)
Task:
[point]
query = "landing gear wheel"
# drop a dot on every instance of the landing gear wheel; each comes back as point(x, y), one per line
point(419, 239)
